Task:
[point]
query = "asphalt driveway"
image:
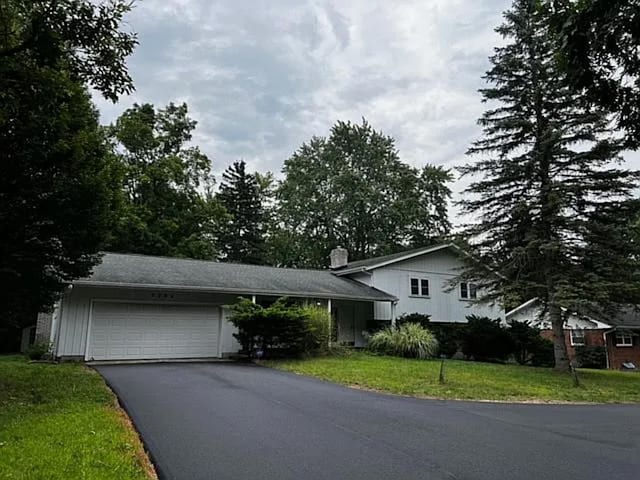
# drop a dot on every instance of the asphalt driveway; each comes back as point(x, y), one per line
point(231, 421)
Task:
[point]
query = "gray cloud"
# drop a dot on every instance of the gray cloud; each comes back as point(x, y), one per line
point(261, 77)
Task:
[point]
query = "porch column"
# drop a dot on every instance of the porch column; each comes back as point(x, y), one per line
point(393, 313)
point(253, 299)
point(330, 321)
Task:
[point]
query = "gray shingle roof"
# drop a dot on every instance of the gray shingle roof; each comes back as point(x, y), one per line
point(129, 269)
point(628, 316)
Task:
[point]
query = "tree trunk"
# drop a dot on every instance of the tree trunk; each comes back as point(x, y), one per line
point(559, 346)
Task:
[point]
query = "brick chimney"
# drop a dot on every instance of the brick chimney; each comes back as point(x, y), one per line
point(339, 258)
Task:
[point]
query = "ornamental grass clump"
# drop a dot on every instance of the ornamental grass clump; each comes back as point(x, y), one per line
point(409, 340)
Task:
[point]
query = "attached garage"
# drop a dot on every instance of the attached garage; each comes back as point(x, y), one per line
point(135, 331)
point(137, 307)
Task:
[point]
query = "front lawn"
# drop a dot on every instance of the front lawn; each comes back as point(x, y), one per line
point(467, 380)
point(60, 422)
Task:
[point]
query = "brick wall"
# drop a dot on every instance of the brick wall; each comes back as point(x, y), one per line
point(617, 355)
point(591, 337)
point(620, 355)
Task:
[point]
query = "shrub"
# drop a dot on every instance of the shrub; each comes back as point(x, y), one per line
point(528, 344)
point(591, 356)
point(485, 339)
point(409, 340)
point(38, 351)
point(280, 328)
point(447, 334)
point(283, 328)
point(419, 318)
point(542, 353)
point(317, 321)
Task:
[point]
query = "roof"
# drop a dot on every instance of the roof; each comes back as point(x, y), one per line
point(377, 262)
point(626, 316)
point(133, 270)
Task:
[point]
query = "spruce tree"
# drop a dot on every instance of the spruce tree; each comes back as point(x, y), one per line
point(548, 192)
point(242, 235)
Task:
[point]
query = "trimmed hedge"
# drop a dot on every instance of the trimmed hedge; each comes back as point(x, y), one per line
point(281, 329)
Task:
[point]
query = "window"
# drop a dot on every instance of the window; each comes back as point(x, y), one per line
point(624, 339)
point(415, 286)
point(424, 287)
point(419, 287)
point(577, 336)
point(468, 291)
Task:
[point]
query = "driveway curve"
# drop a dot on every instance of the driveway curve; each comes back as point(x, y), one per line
point(203, 421)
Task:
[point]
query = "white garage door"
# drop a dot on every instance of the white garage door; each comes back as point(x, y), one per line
point(129, 331)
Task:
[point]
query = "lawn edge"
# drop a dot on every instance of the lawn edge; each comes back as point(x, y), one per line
point(141, 452)
point(365, 388)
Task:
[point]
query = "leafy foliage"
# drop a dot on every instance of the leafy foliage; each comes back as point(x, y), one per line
point(552, 205)
point(38, 351)
point(167, 207)
point(318, 324)
point(351, 189)
point(486, 340)
point(526, 341)
point(449, 335)
point(242, 235)
point(591, 356)
point(55, 188)
point(283, 328)
point(57, 183)
point(599, 44)
point(421, 319)
point(83, 35)
point(409, 340)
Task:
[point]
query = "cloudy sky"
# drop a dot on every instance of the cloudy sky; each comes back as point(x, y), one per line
point(261, 77)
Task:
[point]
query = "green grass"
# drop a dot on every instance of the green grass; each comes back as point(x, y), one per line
point(61, 422)
point(467, 380)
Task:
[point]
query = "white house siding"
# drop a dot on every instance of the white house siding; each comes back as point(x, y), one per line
point(76, 304)
point(442, 305)
point(75, 309)
point(229, 342)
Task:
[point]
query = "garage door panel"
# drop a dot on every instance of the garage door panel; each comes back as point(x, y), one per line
point(121, 331)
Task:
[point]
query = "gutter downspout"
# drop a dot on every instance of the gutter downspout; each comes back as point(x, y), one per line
point(606, 345)
point(393, 312)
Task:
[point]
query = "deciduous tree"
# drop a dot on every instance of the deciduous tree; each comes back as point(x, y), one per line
point(57, 181)
point(351, 189)
point(169, 208)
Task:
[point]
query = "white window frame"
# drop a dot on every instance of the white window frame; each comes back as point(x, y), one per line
point(469, 289)
point(573, 342)
point(624, 337)
point(420, 293)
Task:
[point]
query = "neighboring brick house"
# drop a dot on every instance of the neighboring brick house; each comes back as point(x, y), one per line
point(618, 333)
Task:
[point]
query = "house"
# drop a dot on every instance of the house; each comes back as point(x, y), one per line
point(618, 333)
point(144, 307)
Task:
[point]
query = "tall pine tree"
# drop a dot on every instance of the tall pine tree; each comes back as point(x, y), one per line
point(551, 200)
point(241, 238)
